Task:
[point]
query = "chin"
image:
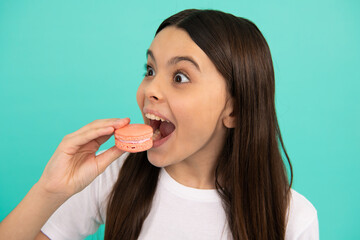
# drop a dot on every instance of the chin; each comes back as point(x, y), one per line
point(156, 160)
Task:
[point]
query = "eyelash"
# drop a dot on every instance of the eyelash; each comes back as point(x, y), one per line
point(175, 73)
point(146, 69)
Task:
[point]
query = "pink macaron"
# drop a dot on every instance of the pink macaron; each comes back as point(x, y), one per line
point(134, 138)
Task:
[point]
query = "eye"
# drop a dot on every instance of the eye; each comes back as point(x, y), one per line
point(149, 71)
point(181, 78)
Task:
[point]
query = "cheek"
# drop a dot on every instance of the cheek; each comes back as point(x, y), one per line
point(140, 96)
point(198, 115)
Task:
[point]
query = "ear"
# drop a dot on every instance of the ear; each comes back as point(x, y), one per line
point(229, 118)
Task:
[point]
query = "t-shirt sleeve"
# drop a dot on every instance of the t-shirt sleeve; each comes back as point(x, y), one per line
point(83, 213)
point(311, 232)
point(77, 218)
point(302, 219)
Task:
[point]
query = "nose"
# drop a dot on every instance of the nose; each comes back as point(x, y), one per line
point(153, 91)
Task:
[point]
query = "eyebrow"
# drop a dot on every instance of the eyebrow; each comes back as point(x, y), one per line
point(176, 59)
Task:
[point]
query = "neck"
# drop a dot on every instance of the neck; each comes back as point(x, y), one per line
point(199, 173)
point(198, 170)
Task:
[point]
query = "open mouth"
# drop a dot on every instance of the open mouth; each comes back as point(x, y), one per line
point(162, 127)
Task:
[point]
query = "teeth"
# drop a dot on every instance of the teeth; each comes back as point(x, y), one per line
point(154, 117)
point(156, 135)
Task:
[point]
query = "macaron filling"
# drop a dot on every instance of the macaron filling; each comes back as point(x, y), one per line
point(138, 141)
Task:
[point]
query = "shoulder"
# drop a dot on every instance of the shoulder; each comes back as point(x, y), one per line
point(302, 218)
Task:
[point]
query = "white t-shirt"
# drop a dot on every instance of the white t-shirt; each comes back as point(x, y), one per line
point(177, 212)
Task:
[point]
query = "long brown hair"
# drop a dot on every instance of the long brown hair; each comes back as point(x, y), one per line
point(251, 177)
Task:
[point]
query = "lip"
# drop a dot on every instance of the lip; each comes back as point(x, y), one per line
point(160, 142)
point(146, 110)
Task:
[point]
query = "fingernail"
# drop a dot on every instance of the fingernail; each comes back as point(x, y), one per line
point(122, 120)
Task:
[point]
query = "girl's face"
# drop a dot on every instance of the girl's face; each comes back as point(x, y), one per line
point(183, 87)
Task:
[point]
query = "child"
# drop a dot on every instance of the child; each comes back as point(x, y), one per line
point(215, 170)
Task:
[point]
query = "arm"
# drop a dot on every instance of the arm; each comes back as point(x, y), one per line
point(26, 220)
point(73, 166)
point(41, 236)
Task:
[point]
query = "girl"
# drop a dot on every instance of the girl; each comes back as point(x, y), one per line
point(215, 170)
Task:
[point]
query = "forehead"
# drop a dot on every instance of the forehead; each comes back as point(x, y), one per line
point(173, 41)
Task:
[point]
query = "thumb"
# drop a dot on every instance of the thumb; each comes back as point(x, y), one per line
point(107, 157)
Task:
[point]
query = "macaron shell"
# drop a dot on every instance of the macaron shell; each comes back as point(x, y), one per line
point(134, 132)
point(134, 147)
point(133, 138)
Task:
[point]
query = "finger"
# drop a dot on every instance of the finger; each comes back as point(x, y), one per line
point(107, 157)
point(101, 123)
point(103, 139)
point(121, 123)
point(117, 124)
point(71, 144)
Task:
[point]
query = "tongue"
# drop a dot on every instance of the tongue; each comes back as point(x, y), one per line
point(166, 128)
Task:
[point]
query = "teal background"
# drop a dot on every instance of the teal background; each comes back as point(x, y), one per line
point(64, 64)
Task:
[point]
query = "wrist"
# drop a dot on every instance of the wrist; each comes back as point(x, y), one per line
point(42, 190)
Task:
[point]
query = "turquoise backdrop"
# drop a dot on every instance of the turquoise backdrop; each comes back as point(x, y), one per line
point(66, 63)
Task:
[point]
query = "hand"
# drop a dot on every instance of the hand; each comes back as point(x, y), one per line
point(74, 164)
